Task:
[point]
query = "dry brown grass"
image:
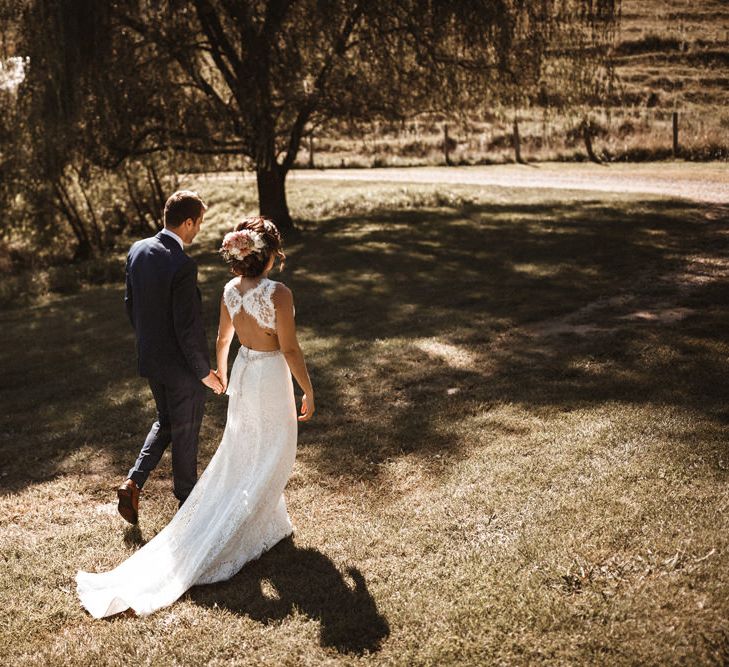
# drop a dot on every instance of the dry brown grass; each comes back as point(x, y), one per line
point(479, 487)
point(670, 55)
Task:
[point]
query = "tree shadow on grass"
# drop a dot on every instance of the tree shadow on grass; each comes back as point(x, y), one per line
point(369, 291)
point(289, 578)
point(463, 278)
point(70, 383)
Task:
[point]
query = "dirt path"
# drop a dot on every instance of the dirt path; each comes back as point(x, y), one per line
point(697, 181)
point(706, 183)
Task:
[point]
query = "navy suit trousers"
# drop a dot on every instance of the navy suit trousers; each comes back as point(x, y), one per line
point(180, 408)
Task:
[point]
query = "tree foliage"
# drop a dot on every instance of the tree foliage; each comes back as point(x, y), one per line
point(113, 82)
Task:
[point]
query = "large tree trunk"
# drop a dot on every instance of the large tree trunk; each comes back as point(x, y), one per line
point(272, 196)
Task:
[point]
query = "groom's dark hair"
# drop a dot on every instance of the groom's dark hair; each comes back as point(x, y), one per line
point(182, 205)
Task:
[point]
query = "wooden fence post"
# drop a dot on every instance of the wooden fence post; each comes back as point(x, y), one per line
point(587, 137)
point(676, 147)
point(446, 147)
point(517, 142)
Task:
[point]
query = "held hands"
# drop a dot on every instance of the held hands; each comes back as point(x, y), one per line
point(307, 408)
point(222, 376)
point(213, 382)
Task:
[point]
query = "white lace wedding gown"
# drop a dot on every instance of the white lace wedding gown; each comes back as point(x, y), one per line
point(236, 511)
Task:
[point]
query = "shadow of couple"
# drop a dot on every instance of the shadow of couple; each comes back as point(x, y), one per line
point(288, 578)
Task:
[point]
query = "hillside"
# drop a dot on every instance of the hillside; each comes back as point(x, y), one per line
point(671, 55)
point(675, 54)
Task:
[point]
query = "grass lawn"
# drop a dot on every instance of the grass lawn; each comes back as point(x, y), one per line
point(520, 454)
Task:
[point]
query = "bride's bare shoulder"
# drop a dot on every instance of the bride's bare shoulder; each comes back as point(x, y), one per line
point(281, 294)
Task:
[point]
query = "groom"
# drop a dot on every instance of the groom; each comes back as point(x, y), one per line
point(165, 309)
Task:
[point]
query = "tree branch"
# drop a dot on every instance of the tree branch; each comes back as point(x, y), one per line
point(222, 49)
point(337, 51)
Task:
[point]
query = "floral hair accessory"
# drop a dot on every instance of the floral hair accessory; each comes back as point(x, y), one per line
point(237, 245)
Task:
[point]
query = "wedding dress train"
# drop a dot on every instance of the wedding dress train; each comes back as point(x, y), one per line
point(236, 511)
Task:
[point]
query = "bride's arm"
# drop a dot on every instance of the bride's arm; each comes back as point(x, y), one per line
point(286, 330)
point(222, 344)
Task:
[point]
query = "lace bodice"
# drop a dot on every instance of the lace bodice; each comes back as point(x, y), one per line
point(257, 302)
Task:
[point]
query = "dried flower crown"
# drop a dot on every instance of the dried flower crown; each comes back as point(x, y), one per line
point(237, 245)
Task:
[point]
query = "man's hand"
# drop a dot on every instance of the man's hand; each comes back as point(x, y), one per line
point(213, 381)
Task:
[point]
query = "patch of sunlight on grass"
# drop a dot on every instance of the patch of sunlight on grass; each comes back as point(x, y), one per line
point(268, 590)
point(536, 270)
point(453, 355)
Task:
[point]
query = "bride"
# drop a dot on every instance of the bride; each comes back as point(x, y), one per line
point(236, 511)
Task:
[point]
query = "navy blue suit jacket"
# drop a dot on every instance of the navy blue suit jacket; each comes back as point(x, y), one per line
point(165, 308)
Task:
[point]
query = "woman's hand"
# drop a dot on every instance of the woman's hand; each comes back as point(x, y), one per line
point(307, 408)
point(223, 377)
point(212, 381)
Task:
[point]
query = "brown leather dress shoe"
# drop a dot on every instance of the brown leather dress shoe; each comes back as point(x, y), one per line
point(128, 494)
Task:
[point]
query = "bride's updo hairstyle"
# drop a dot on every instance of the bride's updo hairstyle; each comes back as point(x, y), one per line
point(250, 245)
